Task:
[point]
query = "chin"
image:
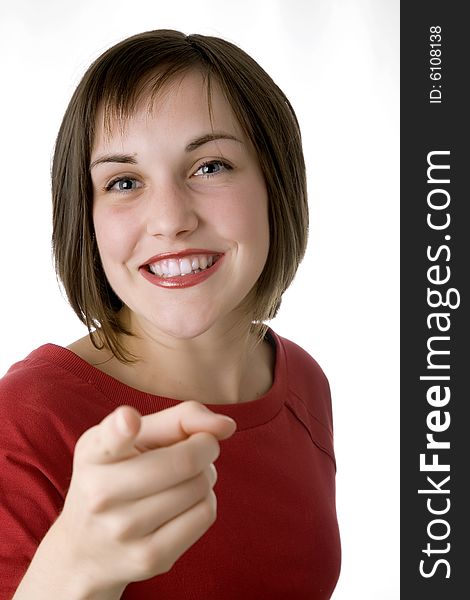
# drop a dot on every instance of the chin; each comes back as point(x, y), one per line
point(183, 327)
point(184, 331)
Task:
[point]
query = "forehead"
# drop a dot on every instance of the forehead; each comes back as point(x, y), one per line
point(184, 103)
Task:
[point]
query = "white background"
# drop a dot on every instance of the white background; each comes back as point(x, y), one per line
point(337, 61)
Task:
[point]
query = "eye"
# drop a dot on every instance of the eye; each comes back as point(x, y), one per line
point(122, 184)
point(211, 168)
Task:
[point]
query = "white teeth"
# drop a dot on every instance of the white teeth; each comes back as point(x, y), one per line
point(172, 267)
point(185, 266)
point(157, 269)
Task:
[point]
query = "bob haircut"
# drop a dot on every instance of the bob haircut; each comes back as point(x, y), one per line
point(116, 81)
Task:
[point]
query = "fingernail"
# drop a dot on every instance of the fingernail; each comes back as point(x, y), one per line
point(122, 424)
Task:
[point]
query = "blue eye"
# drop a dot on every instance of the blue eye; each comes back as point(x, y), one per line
point(213, 167)
point(122, 184)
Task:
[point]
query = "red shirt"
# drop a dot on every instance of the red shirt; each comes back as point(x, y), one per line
point(276, 533)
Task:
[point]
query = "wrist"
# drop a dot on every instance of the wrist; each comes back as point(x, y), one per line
point(54, 573)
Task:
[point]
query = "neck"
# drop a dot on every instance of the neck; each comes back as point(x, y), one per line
point(224, 365)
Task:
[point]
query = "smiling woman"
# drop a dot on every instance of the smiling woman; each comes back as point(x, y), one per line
point(171, 213)
point(179, 220)
point(122, 83)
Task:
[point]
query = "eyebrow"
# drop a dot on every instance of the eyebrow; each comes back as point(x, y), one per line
point(210, 137)
point(193, 145)
point(114, 158)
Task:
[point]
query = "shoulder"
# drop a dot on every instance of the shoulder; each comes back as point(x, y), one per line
point(308, 391)
point(26, 378)
point(41, 398)
point(302, 367)
point(35, 378)
point(305, 376)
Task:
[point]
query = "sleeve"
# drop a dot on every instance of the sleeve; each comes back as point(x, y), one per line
point(32, 464)
point(310, 397)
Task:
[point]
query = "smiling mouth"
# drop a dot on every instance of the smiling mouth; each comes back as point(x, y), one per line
point(179, 267)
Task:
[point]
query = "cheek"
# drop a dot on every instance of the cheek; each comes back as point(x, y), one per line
point(114, 230)
point(245, 218)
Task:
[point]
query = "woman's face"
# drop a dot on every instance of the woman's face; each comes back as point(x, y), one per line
point(180, 211)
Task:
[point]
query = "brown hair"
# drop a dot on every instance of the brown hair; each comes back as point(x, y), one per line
point(115, 81)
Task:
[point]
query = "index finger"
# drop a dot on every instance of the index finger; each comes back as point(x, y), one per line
point(177, 423)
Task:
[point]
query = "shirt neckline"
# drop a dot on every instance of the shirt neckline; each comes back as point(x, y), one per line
point(246, 414)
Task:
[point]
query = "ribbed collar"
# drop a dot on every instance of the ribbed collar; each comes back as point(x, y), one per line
point(246, 414)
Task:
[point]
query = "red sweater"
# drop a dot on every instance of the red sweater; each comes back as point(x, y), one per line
point(276, 534)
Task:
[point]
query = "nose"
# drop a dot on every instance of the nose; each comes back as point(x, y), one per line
point(170, 212)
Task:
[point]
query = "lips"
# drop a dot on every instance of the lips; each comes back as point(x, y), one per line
point(181, 269)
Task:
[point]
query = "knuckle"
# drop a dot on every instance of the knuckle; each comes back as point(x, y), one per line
point(194, 455)
point(96, 499)
point(149, 561)
point(214, 445)
point(194, 407)
point(165, 564)
point(204, 483)
point(213, 474)
point(119, 529)
point(210, 476)
point(209, 509)
point(208, 442)
point(142, 561)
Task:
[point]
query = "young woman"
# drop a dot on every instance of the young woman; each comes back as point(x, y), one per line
point(180, 218)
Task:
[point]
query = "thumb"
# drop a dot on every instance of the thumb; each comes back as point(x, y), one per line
point(113, 439)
